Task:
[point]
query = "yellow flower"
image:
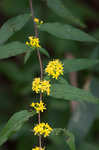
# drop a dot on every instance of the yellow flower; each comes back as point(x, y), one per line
point(41, 22)
point(37, 21)
point(37, 148)
point(36, 85)
point(45, 87)
point(33, 42)
point(54, 68)
point(41, 86)
point(38, 106)
point(32, 105)
point(42, 129)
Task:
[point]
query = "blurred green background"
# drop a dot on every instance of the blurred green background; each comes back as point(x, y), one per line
point(16, 77)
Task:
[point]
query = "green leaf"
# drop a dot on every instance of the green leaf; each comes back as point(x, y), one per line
point(71, 141)
point(12, 26)
point(69, 136)
point(12, 49)
point(14, 124)
point(58, 7)
point(71, 65)
point(27, 56)
point(65, 31)
point(43, 51)
point(64, 91)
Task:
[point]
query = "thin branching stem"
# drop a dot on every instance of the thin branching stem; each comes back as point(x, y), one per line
point(40, 61)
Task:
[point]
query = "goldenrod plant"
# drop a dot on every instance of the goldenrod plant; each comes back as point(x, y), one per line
point(40, 85)
point(61, 102)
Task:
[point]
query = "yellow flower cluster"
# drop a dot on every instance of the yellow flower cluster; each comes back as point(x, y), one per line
point(37, 148)
point(37, 21)
point(42, 129)
point(36, 85)
point(54, 68)
point(33, 42)
point(38, 106)
point(41, 86)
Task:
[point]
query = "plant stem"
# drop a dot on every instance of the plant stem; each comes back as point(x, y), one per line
point(36, 35)
point(40, 62)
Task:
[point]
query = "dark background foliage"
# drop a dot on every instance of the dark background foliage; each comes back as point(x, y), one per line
point(16, 77)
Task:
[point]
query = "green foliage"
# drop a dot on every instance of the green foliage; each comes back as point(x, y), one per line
point(63, 90)
point(65, 31)
point(12, 26)
point(16, 77)
point(12, 49)
point(43, 51)
point(68, 135)
point(78, 64)
point(14, 124)
point(27, 56)
point(58, 7)
point(29, 53)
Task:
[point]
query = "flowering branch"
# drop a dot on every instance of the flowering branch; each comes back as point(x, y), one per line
point(39, 85)
point(40, 61)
